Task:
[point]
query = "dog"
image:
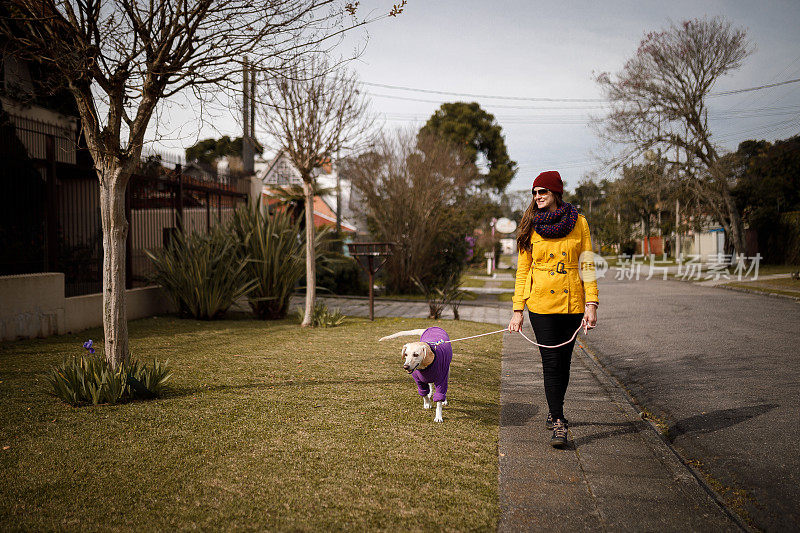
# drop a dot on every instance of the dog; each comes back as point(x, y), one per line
point(428, 362)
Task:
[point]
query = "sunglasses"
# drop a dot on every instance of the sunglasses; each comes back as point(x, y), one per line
point(540, 192)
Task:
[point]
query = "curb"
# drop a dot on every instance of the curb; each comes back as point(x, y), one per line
point(630, 400)
point(740, 289)
point(400, 300)
point(762, 293)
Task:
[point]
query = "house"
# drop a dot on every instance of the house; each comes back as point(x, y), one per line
point(280, 173)
point(709, 241)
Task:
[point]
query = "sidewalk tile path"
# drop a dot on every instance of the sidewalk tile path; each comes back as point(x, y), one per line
point(616, 475)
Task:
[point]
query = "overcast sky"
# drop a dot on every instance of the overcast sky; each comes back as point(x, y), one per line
point(550, 50)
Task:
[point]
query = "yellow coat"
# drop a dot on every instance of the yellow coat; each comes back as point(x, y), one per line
point(549, 276)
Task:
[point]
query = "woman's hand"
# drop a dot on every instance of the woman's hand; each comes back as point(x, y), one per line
point(516, 321)
point(589, 318)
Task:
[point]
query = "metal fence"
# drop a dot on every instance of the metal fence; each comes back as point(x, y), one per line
point(50, 205)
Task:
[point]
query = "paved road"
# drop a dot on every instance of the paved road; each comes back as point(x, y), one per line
point(723, 369)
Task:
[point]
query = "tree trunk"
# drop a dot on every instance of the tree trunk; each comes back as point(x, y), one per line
point(113, 183)
point(737, 228)
point(311, 270)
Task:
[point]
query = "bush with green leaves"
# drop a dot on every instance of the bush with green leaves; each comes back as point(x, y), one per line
point(345, 276)
point(321, 316)
point(337, 273)
point(202, 274)
point(449, 293)
point(90, 379)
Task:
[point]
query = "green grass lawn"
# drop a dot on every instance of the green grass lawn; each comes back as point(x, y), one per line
point(481, 270)
point(467, 281)
point(264, 426)
point(784, 286)
point(764, 270)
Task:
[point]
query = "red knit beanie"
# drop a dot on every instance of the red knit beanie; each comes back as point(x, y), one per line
point(550, 180)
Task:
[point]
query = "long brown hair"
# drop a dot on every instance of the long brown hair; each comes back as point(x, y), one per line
point(526, 225)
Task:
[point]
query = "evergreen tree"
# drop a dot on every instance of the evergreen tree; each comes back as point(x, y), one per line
point(478, 133)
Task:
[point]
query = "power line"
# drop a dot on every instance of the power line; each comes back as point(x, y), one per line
point(750, 89)
point(504, 106)
point(760, 130)
point(546, 119)
point(753, 98)
point(540, 99)
point(472, 95)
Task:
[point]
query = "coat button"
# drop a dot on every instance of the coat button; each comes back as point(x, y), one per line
point(565, 290)
point(551, 255)
point(552, 291)
point(563, 253)
point(552, 273)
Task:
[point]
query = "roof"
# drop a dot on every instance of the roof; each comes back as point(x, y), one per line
point(324, 215)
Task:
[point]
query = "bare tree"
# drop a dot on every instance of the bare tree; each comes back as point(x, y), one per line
point(413, 192)
point(313, 110)
point(658, 100)
point(120, 58)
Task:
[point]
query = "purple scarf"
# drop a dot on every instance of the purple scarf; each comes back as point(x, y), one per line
point(556, 224)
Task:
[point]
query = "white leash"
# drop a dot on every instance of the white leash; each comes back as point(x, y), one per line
point(574, 335)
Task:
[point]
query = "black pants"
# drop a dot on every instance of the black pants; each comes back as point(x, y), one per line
point(551, 330)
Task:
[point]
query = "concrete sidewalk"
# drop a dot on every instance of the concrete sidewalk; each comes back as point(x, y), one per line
point(616, 475)
point(491, 314)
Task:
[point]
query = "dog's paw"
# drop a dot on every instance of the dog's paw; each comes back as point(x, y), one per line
point(427, 405)
point(444, 402)
point(438, 419)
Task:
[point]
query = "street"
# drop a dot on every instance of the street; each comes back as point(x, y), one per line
point(722, 369)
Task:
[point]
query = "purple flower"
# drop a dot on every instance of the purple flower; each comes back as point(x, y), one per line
point(88, 346)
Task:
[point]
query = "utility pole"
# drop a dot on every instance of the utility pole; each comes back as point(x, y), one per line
point(677, 225)
point(677, 208)
point(338, 196)
point(248, 117)
point(660, 170)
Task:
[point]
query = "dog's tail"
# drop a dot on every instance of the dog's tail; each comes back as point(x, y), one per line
point(403, 334)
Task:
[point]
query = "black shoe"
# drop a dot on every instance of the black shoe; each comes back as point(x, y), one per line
point(559, 438)
point(549, 422)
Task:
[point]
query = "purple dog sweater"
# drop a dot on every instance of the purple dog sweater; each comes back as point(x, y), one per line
point(439, 371)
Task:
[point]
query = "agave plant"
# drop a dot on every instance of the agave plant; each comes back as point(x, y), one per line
point(203, 274)
point(273, 252)
point(321, 316)
point(90, 379)
point(273, 247)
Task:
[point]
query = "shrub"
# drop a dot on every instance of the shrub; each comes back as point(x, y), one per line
point(449, 293)
point(343, 277)
point(321, 317)
point(90, 379)
point(273, 249)
point(448, 263)
point(202, 274)
point(628, 248)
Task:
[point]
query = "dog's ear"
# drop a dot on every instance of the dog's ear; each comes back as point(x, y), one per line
point(403, 353)
point(427, 354)
point(427, 351)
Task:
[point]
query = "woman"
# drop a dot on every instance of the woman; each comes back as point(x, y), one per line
point(556, 279)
